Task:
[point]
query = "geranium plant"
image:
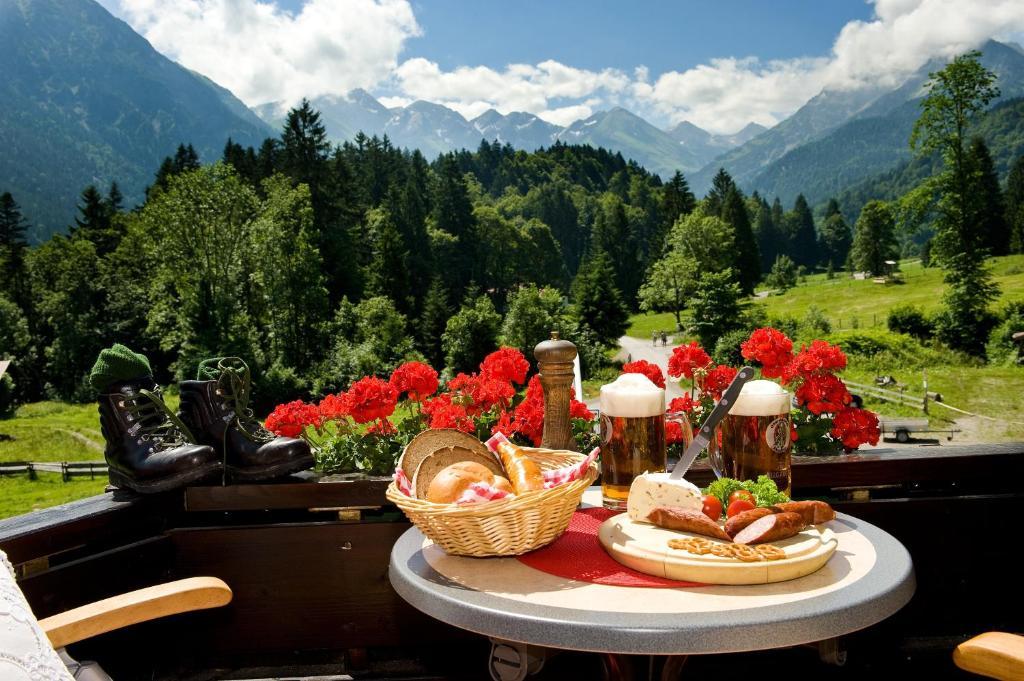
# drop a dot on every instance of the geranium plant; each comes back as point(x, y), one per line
point(365, 428)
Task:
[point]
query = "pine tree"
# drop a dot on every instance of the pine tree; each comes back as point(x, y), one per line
point(453, 213)
point(1015, 205)
point(185, 158)
point(768, 238)
point(778, 217)
point(748, 259)
point(597, 302)
point(94, 217)
point(13, 249)
point(874, 239)
point(433, 319)
point(989, 216)
point(720, 186)
point(676, 201)
point(803, 239)
point(612, 235)
point(836, 239)
point(409, 208)
point(388, 273)
point(832, 208)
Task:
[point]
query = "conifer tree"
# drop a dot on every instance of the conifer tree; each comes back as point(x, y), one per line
point(835, 239)
point(768, 237)
point(433, 319)
point(115, 199)
point(987, 197)
point(597, 302)
point(720, 186)
point(874, 239)
point(676, 201)
point(453, 213)
point(1015, 205)
point(832, 208)
point(388, 273)
point(611, 234)
point(13, 249)
point(778, 217)
point(717, 306)
point(747, 258)
point(803, 239)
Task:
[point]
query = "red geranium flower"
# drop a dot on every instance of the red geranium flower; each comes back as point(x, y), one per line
point(673, 432)
point(685, 403)
point(291, 418)
point(577, 409)
point(651, 371)
point(506, 364)
point(504, 425)
point(333, 407)
point(718, 379)
point(772, 348)
point(820, 357)
point(371, 398)
point(687, 359)
point(854, 427)
point(481, 391)
point(416, 379)
point(822, 394)
point(382, 427)
point(442, 413)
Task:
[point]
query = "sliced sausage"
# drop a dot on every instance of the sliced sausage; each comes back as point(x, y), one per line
point(741, 520)
point(687, 520)
point(813, 512)
point(770, 528)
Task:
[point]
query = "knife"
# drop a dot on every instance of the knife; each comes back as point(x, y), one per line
point(708, 427)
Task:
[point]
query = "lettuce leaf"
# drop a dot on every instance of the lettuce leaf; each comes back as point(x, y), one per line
point(764, 490)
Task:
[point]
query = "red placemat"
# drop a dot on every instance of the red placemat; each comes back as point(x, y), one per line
point(578, 555)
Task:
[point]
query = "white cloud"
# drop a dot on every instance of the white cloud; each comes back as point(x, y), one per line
point(263, 53)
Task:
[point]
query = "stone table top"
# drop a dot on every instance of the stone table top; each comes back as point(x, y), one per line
point(869, 578)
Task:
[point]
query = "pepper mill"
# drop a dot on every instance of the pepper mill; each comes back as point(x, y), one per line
point(555, 363)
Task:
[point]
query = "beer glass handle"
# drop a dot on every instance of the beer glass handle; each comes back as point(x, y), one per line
point(715, 454)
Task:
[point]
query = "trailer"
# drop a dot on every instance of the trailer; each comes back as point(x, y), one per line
point(903, 429)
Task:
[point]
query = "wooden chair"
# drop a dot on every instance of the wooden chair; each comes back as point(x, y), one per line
point(994, 653)
point(30, 646)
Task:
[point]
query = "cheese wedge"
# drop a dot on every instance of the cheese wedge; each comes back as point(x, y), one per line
point(651, 490)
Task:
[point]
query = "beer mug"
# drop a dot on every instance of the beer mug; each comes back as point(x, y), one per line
point(755, 436)
point(632, 435)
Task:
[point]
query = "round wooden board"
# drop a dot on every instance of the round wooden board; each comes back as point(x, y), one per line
point(644, 547)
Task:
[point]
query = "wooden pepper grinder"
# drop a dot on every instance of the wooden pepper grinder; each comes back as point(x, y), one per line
point(555, 363)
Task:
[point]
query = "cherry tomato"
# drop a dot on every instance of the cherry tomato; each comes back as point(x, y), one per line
point(712, 507)
point(742, 494)
point(739, 506)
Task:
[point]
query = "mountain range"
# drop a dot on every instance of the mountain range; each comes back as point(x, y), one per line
point(86, 100)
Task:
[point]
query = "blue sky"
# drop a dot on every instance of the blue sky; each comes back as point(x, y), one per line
point(717, 64)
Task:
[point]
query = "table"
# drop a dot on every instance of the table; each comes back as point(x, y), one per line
point(869, 578)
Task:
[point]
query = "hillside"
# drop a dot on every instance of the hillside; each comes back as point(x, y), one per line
point(86, 100)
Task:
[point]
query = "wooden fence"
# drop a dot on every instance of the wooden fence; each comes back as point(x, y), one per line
point(67, 469)
point(899, 396)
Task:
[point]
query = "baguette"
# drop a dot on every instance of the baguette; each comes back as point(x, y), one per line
point(522, 471)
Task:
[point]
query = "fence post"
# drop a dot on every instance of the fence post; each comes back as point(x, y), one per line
point(31, 471)
point(64, 473)
point(924, 402)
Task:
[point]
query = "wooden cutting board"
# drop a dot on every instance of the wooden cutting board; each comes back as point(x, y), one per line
point(644, 547)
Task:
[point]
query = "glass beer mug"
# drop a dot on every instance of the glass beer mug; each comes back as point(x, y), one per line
point(755, 436)
point(632, 435)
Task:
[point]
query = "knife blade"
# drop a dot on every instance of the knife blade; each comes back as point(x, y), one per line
point(703, 437)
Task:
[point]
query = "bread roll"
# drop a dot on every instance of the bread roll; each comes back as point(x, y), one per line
point(523, 472)
point(503, 484)
point(450, 483)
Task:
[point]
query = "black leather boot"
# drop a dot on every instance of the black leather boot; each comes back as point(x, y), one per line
point(148, 448)
point(218, 413)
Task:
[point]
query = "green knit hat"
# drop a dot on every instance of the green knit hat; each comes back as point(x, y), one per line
point(212, 368)
point(117, 363)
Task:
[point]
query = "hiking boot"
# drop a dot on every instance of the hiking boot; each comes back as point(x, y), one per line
point(148, 448)
point(216, 408)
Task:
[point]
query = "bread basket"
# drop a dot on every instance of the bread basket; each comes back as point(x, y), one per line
point(506, 527)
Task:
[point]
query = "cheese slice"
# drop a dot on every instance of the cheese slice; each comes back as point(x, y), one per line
point(652, 490)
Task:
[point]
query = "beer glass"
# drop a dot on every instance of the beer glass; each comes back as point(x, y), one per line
point(632, 435)
point(755, 436)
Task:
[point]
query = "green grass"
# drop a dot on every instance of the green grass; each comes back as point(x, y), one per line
point(842, 300)
point(20, 495)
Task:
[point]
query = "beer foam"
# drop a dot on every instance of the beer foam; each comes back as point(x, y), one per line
point(761, 398)
point(632, 396)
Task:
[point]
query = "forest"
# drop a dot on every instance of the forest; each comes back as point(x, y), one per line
point(322, 263)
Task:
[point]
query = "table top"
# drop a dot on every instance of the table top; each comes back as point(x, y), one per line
point(869, 578)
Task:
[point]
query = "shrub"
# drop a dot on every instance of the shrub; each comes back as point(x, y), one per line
point(7, 402)
point(277, 385)
point(1001, 348)
point(815, 323)
point(910, 320)
point(783, 274)
point(727, 349)
point(886, 352)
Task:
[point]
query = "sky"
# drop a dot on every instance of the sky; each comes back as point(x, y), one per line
point(719, 64)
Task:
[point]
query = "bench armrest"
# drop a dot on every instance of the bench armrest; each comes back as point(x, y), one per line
point(994, 653)
point(184, 595)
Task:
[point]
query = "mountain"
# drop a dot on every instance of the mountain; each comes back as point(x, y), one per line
point(521, 130)
point(84, 99)
point(875, 139)
point(433, 129)
point(707, 147)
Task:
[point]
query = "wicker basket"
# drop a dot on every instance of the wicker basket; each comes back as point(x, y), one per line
point(507, 527)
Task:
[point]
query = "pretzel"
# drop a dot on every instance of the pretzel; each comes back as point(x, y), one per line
point(747, 554)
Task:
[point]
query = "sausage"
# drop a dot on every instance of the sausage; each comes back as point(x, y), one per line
point(813, 512)
point(687, 520)
point(741, 520)
point(770, 528)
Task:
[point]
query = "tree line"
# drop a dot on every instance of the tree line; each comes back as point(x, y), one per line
point(320, 263)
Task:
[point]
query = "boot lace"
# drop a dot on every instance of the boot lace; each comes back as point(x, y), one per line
point(234, 387)
point(155, 421)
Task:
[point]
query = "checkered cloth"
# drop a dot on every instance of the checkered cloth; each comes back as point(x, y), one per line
point(480, 492)
point(556, 477)
point(402, 482)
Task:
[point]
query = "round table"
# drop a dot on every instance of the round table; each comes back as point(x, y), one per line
point(869, 578)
